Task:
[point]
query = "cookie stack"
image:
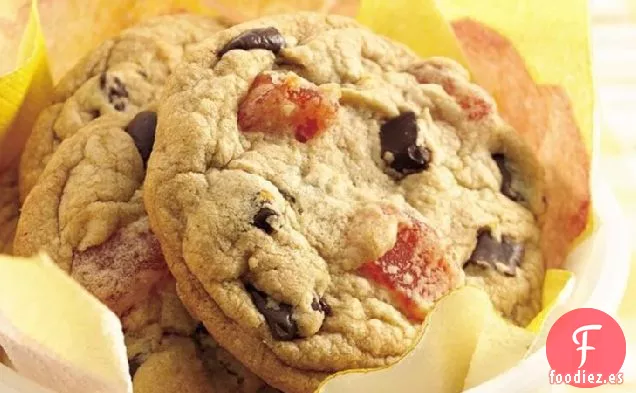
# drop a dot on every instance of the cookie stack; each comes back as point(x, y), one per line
point(266, 204)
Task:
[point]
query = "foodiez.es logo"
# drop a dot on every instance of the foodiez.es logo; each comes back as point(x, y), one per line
point(586, 348)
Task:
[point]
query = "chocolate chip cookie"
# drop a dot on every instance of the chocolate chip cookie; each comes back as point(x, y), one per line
point(87, 213)
point(326, 187)
point(122, 75)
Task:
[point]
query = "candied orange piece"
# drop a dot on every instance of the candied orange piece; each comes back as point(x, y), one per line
point(414, 270)
point(286, 105)
point(474, 105)
point(122, 271)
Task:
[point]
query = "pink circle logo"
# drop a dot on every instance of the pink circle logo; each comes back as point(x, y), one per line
point(586, 348)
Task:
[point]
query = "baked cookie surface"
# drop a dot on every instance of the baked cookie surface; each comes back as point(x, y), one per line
point(326, 187)
point(123, 74)
point(87, 213)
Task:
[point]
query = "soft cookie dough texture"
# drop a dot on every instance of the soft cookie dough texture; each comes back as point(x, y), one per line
point(123, 74)
point(316, 187)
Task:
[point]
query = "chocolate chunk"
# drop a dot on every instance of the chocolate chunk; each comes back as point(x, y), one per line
point(506, 178)
point(504, 256)
point(263, 221)
point(322, 306)
point(116, 91)
point(119, 90)
point(398, 138)
point(142, 130)
point(326, 308)
point(268, 38)
point(278, 316)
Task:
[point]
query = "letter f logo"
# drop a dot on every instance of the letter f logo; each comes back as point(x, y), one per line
point(583, 344)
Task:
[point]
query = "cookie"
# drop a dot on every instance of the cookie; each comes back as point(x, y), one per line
point(177, 368)
point(326, 187)
point(123, 74)
point(169, 352)
point(87, 213)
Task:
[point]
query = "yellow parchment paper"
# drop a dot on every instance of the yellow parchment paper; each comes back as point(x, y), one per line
point(23, 91)
point(552, 36)
point(476, 337)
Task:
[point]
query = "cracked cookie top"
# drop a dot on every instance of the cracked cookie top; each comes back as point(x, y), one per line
point(123, 74)
point(327, 186)
point(87, 213)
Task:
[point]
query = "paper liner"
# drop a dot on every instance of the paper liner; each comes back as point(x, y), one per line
point(552, 36)
point(242, 10)
point(454, 347)
point(57, 335)
point(25, 91)
point(463, 332)
point(418, 24)
point(10, 382)
point(65, 24)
